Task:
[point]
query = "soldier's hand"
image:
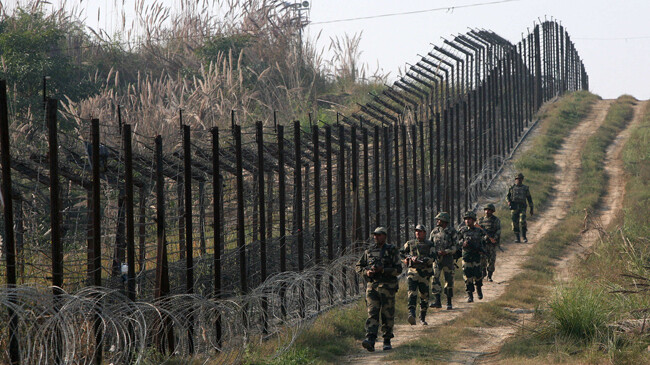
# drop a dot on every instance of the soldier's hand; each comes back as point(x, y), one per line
point(441, 253)
point(369, 272)
point(465, 244)
point(493, 240)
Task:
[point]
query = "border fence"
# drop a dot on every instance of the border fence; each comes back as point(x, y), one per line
point(198, 243)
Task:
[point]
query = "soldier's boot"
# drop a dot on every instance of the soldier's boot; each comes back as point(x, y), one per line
point(437, 303)
point(387, 345)
point(523, 235)
point(423, 316)
point(489, 276)
point(411, 318)
point(470, 297)
point(479, 292)
point(449, 292)
point(517, 239)
point(369, 344)
point(449, 306)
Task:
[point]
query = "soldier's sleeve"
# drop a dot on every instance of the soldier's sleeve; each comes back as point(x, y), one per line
point(497, 234)
point(403, 250)
point(509, 196)
point(396, 264)
point(362, 263)
point(432, 253)
point(454, 240)
point(529, 197)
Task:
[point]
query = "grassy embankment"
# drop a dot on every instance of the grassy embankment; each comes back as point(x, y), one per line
point(584, 320)
point(336, 332)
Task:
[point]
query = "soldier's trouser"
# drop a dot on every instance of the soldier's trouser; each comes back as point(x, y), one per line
point(519, 219)
point(487, 261)
point(448, 272)
point(418, 283)
point(380, 301)
point(472, 275)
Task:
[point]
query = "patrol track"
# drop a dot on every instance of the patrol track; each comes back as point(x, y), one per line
point(509, 263)
point(612, 202)
point(595, 223)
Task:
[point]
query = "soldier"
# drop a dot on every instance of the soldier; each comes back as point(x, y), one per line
point(444, 238)
point(380, 265)
point(418, 255)
point(492, 225)
point(518, 194)
point(471, 238)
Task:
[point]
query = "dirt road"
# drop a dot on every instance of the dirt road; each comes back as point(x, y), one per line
point(509, 262)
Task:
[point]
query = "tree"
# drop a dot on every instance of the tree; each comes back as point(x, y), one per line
point(33, 46)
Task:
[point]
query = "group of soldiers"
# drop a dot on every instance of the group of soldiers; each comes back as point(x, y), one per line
point(475, 241)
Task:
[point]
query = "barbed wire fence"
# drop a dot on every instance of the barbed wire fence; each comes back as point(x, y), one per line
point(200, 243)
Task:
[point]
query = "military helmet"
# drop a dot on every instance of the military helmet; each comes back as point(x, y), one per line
point(443, 216)
point(420, 227)
point(490, 207)
point(380, 230)
point(469, 214)
point(519, 176)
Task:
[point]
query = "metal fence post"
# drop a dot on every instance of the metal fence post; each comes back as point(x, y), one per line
point(9, 239)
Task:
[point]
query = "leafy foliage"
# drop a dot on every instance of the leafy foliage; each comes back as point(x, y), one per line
point(32, 46)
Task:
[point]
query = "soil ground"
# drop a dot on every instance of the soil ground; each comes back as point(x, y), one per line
point(509, 262)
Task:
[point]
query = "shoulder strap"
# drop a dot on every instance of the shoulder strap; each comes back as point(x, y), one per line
point(382, 251)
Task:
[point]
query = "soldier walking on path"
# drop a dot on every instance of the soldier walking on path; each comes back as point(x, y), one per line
point(418, 255)
point(518, 195)
point(472, 239)
point(380, 266)
point(444, 238)
point(492, 225)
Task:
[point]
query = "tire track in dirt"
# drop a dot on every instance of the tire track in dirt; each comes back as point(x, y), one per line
point(508, 263)
point(611, 204)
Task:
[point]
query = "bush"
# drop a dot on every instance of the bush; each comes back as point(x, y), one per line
point(579, 311)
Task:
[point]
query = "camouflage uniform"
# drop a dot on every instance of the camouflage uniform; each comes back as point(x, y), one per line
point(492, 226)
point(419, 275)
point(472, 274)
point(444, 239)
point(380, 288)
point(516, 198)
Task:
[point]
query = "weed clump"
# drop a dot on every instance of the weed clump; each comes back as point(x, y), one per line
point(579, 311)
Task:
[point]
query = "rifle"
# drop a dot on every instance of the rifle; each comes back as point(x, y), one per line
point(480, 249)
point(376, 266)
point(414, 261)
point(478, 225)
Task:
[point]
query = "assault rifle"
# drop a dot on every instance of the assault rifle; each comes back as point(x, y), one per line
point(478, 225)
point(376, 267)
point(414, 261)
point(469, 247)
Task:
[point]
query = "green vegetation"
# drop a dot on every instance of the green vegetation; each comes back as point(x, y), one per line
point(332, 334)
point(30, 48)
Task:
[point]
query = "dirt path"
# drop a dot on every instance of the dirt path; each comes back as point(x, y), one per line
point(610, 206)
point(508, 262)
point(612, 202)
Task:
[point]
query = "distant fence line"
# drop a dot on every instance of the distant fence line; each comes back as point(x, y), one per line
point(255, 226)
